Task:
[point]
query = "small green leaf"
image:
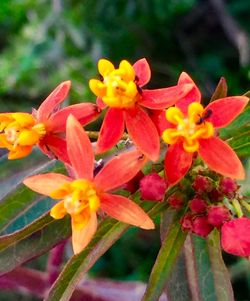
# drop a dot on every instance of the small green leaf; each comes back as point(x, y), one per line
point(167, 256)
point(221, 90)
point(35, 239)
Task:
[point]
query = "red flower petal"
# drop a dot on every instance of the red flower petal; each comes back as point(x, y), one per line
point(225, 110)
point(177, 163)
point(221, 158)
point(235, 237)
point(81, 238)
point(193, 95)
point(124, 210)
point(143, 132)
point(100, 103)
point(46, 183)
point(143, 72)
point(111, 130)
point(159, 119)
point(163, 98)
point(80, 149)
point(83, 112)
point(53, 100)
point(54, 147)
point(119, 170)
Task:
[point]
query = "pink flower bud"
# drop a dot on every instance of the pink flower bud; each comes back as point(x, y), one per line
point(198, 205)
point(228, 186)
point(217, 215)
point(201, 226)
point(202, 184)
point(152, 187)
point(176, 201)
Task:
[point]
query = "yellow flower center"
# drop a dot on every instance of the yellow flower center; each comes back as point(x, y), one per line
point(188, 129)
point(19, 132)
point(79, 199)
point(117, 88)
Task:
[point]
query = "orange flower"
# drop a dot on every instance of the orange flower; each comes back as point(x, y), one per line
point(190, 128)
point(84, 194)
point(19, 132)
point(121, 90)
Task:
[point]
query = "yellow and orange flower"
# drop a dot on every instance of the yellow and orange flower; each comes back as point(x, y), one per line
point(189, 128)
point(121, 90)
point(83, 194)
point(19, 132)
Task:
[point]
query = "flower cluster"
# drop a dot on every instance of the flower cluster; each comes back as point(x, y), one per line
point(174, 114)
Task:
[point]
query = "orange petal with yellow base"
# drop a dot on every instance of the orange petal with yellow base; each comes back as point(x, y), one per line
point(53, 100)
point(143, 132)
point(80, 149)
point(124, 210)
point(225, 110)
point(119, 170)
point(142, 71)
point(81, 237)
point(83, 112)
point(220, 157)
point(177, 163)
point(111, 130)
point(194, 95)
point(46, 183)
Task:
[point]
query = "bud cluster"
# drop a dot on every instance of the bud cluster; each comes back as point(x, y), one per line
point(210, 202)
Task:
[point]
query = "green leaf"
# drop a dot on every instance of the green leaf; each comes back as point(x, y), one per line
point(35, 239)
point(171, 247)
point(20, 198)
point(109, 231)
point(206, 272)
point(221, 90)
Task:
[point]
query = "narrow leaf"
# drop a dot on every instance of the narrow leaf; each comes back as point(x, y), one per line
point(207, 275)
point(35, 239)
point(167, 256)
point(20, 197)
point(108, 233)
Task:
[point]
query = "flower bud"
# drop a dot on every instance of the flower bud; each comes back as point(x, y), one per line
point(217, 215)
point(152, 187)
point(198, 205)
point(201, 226)
point(202, 184)
point(228, 186)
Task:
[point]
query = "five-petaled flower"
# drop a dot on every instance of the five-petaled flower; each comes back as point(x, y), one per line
point(84, 194)
point(19, 132)
point(190, 128)
point(120, 90)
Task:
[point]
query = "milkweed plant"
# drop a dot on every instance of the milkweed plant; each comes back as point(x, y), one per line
point(159, 154)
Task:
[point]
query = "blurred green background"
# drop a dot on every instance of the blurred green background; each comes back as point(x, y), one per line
point(45, 42)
